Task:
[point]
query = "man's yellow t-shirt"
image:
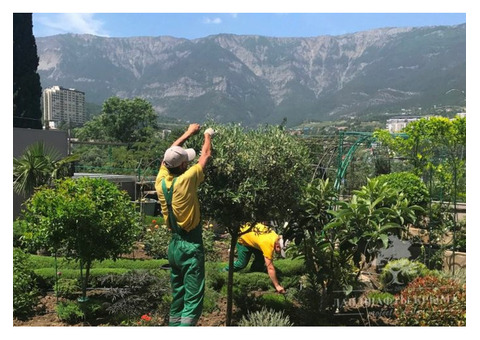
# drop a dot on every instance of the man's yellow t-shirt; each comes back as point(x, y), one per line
point(260, 237)
point(184, 200)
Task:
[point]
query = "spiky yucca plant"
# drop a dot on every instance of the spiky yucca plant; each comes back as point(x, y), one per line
point(265, 318)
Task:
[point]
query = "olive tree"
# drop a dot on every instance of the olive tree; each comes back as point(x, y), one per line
point(254, 175)
point(85, 219)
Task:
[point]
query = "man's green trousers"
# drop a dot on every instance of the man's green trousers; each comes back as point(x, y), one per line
point(186, 258)
point(244, 254)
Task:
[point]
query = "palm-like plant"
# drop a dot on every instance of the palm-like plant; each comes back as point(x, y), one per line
point(38, 165)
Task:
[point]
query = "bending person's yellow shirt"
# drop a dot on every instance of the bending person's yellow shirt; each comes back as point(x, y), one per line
point(260, 237)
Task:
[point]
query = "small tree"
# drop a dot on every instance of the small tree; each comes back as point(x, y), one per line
point(86, 219)
point(337, 243)
point(255, 175)
point(360, 227)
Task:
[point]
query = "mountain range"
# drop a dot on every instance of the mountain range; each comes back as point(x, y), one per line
point(258, 79)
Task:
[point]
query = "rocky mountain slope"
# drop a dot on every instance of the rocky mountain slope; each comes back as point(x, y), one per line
point(257, 79)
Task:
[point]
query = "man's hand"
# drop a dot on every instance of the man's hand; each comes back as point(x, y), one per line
point(193, 129)
point(280, 289)
point(210, 131)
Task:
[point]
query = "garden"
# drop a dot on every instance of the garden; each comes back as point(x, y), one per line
point(366, 249)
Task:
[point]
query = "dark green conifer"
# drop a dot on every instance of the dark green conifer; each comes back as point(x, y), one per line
point(27, 91)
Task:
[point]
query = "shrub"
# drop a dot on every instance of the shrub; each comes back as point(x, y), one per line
point(411, 185)
point(378, 298)
point(67, 288)
point(156, 240)
point(210, 300)
point(398, 273)
point(275, 301)
point(432, 301)
point(70, 312)
point(25, 292)
point(265, 318)
point(19, 227)
point(136, 292)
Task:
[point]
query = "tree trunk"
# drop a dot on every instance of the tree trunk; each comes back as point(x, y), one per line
point(230, 278)
point(85, 279)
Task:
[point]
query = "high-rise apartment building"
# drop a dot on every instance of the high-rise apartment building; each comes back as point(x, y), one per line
point(61, 105)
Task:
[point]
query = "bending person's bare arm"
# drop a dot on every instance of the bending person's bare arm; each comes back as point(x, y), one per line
point(273, 275)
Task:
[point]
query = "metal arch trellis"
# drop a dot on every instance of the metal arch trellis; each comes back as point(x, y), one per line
point(345, 159)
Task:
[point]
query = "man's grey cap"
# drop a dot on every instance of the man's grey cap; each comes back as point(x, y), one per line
point(176, 155)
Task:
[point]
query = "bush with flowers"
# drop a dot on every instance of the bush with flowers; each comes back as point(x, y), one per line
point(145, 320)
point(156, 239)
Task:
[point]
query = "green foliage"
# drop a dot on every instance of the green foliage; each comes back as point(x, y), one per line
point(211, 251)
point(67, 288)
point(86, 219)
point(19, 227)
point(132, 122)
point(378, 298)
point(432, 301)
point(362, 225)
point(25, 292)
point(254, 174)
point(210, 300)
point(156, 240)
point(323, 267)
point(289, 267)
point(45, 269)
point(244, 282)
point(70, 312)
point(399, 273)
point(123, 120)
point(265, 318)
point(275, 301)
point(436, 147)
point(414, 190)
point(39, 165)
point(337, 243)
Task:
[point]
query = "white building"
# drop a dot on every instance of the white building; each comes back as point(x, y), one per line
point(61, 105)
point(398, 124)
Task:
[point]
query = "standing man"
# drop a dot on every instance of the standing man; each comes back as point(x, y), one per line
point(176, 186)
point(262, 242)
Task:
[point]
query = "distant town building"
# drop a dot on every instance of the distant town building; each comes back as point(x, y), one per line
point(462, 114)
point(63, 106)
point(398, 124)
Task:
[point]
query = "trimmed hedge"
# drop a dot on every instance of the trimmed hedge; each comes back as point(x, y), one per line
point(45, 269)
point(62, 263)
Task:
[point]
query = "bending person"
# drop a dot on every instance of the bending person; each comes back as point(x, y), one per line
point(261, 242)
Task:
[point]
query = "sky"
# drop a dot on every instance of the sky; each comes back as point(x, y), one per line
point(198, 25)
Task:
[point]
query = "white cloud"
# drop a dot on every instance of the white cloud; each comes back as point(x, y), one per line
point(214, 21)
point(80, 23)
